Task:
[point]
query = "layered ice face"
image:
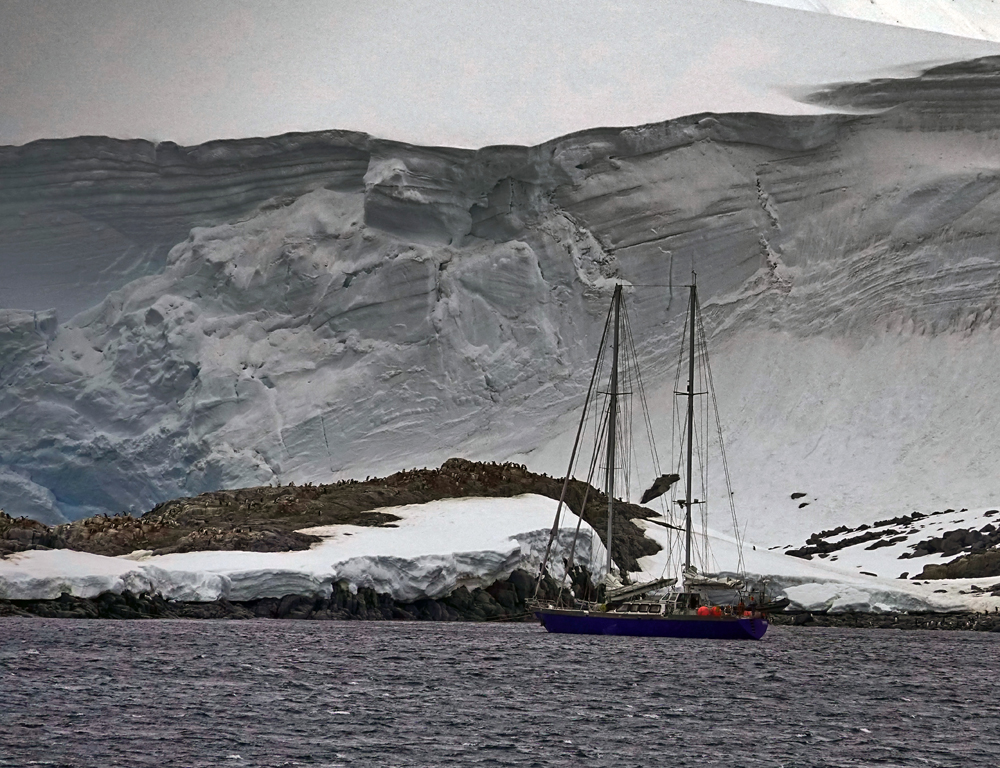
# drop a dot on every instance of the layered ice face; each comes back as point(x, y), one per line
point(355, 306)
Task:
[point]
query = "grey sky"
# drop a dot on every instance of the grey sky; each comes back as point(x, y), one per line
point(445, 72)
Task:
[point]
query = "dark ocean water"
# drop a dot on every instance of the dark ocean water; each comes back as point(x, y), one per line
point(270, 693)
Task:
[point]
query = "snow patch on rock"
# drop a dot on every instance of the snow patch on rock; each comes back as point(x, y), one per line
point(822, 585)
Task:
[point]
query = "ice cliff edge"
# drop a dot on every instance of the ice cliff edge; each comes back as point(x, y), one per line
point(311, 307)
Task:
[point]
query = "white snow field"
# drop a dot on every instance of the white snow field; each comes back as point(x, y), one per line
point(434, 72)
point(437, 547)
point(966, 18)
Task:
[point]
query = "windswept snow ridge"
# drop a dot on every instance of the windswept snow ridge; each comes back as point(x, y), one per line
point(436, 547)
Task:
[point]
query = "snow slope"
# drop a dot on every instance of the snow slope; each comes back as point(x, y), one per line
point(448, 302)
point(434, 72)
point(433, 549)
point(856, 578)
point(438, 546)
point(966, 18)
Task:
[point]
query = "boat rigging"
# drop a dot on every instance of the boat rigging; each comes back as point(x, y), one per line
point(629, 609)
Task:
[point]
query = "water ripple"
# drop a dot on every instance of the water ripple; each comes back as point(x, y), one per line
point(263, 693)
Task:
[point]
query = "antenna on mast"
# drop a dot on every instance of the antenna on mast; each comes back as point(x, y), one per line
point(690, 419)
point(609, 482)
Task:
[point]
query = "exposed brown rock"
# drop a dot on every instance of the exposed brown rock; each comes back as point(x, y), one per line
point(973, 566)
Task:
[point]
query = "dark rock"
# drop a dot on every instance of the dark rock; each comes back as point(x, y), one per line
point(504, 594)
point(266, 608)
point(460, 600)
point(294, 607)
point(971, 566)
point(523, 584)
point(886, 542)
point(502, 600)
point(405, 613)
point(959, 540)
point(816, 544)
point(431, 609)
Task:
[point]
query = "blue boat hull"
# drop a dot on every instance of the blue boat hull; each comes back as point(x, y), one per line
point(637, 625)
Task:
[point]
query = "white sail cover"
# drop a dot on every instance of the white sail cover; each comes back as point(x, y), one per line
point(694, 580)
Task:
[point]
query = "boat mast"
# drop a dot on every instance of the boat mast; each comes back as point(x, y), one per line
point(609, 482)
point(572, 462)
point(690, 430)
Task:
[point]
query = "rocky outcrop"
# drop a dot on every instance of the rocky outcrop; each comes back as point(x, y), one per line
point(980, 621)
point(22, 533)
point(266, 519)
point(882, 533)
point(950, 543)
point(973, 566)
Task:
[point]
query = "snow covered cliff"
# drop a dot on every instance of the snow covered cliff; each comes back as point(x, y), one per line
point(349, 306)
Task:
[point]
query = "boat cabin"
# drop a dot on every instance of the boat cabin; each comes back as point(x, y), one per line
point(675, 602)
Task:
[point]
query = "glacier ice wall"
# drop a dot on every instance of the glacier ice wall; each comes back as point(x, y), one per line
point(81, 217)
point(345, 306)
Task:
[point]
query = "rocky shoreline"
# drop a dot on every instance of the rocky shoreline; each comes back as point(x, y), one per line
point(965, 620)
point(502, 601)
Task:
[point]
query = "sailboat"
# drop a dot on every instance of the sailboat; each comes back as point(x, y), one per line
point(662, 607)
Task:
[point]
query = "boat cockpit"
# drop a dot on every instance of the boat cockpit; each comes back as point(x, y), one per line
point(674, 602)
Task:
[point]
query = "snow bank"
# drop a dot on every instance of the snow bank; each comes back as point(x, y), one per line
point(433, 549)
point(439, 546)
